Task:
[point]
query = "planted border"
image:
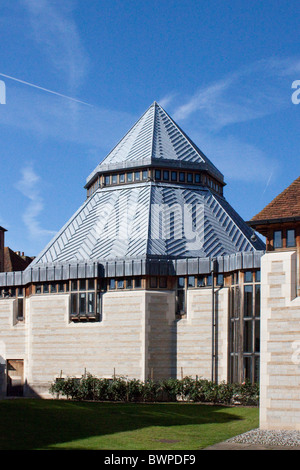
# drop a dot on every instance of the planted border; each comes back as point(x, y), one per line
point(118, 389)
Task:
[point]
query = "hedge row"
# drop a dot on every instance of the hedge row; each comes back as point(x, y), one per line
point(119, 389)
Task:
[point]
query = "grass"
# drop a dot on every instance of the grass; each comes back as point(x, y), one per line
point(33, 424)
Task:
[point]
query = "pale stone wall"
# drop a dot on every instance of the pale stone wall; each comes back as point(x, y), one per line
point(280, 342)
point(160, 335)
point(194, 335)
point(138, 337)
point(114, 345)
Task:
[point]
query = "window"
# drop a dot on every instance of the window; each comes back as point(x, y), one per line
point(137, 176)
point(191, 281)
point(248, 276)
point(112, 284)
point(197, 178)
point(190, 177)
point(248, 301)
point(120, 284)
point(153, 282)
point(114, 179)
point(85, 305)
point(290, 238)
point(173, 175)
point(277, 240)
point(201, 281)
point(145, 175)
point(209, 280)
point(220, 280)
point(137, 283)
point(122, 178)
point(157, 174)
point(129, 283)
point(165, 175)
point(180, 282)
point(181, 177)
point(107, 180)
point(129, 177)
point(163, 282)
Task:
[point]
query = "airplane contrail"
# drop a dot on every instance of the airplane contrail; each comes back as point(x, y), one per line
point(45, 89)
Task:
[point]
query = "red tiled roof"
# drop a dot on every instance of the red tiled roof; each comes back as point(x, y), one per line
point(14, 262)
point(285, 205)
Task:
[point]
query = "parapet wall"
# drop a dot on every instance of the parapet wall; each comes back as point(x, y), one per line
point(280, 342)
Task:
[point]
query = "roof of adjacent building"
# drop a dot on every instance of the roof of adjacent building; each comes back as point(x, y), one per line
point(155, 139)
point(14, 261)
point(285, 206)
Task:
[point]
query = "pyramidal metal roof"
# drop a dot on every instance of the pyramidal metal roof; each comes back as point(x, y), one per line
point(150, 219)
point(155, 139)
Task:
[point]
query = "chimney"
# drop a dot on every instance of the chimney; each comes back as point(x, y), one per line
point(2, 232)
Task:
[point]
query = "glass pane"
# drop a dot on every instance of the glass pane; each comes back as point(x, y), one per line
point(248, 276)
point(82, 284)
point(91, 303)
point(181, 177)
point(73, 304)
point(122, 178)
point(257, 301)
point(257, 336)
point(129, 283)
point(114, 179)
point(191, 281)
point(153, 282)
point(82, 303)
point(197, 178)
point(112, 284)
point(201, 281)
point(209, 280)
point(107, 180)
point(137, 283)
point(157, 174)
point(120, 284)
point(256, 369)
point(129, 177)
point(290, 238)
point(174, 175)
point(257, 276)
point(220, 280)
point(190, 177)
point(74, 285)
point(180, 282)
point(180, 301)
point(145, 174)
point(137, 176)
point(248, 301)
point(248, 336)
point(91, 284)
point(248, 368)
point(166, 175)
point(277, 239)
point(38, 289)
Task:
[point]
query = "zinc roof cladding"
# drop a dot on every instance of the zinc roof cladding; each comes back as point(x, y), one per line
point(285, 206)
point(155, 139)
point(150, 219)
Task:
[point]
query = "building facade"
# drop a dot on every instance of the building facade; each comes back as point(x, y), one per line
point(155, 276)
point(279, 222)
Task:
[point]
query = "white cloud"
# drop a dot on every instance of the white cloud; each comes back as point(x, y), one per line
point(246, 94)
point(58, 35)
point(29, 185)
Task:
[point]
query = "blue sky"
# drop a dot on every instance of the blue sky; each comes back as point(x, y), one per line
point(223, 70)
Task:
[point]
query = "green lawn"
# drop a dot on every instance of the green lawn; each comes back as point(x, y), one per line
point(59, 424)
